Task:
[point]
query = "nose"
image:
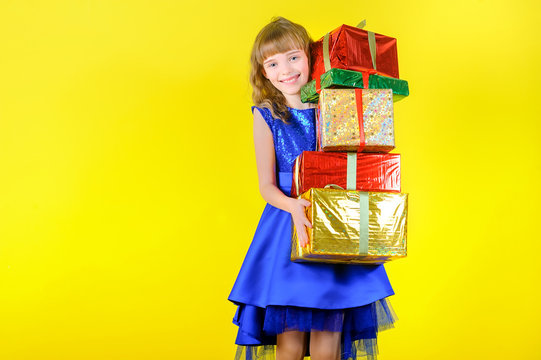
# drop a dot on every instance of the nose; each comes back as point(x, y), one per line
point(285, 68)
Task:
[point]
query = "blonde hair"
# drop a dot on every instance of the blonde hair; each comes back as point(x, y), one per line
point(280, 35)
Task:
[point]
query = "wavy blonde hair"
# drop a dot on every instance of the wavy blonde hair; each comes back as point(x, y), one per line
point(280, 35)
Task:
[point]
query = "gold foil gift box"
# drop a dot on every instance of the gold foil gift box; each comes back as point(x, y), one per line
point(355, 227)
point(358, 120)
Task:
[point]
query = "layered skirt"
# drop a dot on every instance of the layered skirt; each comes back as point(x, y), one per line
point(274, 294)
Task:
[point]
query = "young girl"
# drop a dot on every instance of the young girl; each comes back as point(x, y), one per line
point(289, 310)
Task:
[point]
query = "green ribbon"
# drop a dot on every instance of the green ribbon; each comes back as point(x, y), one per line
point(363, 226)
point(371, 42)
point(351, 179)
point(372, 46)
point(326, 59)
point(363, 218)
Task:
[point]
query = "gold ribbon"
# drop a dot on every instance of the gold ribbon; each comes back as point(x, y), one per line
point(334, 186)
point(296, 177)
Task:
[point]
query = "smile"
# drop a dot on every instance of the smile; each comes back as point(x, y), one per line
point(290, 79)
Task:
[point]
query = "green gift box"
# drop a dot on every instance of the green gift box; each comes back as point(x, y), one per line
point(354, 79)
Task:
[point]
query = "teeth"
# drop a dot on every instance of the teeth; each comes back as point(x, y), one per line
point(290, 80)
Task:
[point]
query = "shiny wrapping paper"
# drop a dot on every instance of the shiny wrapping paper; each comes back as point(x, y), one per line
point(336, 78)
point(353, 227)
point(349, 49)
point(355, 120)
point(370, 172)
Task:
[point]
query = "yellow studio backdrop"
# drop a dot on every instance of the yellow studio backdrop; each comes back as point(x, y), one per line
point(129, 196)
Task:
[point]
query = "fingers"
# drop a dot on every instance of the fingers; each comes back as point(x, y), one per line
point(301, 225)
point(302, 236)
point(303, 240)
point(302, 216)
point(305, 202)
point(301, 222)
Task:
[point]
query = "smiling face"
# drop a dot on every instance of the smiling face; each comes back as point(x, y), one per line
point(287, 71)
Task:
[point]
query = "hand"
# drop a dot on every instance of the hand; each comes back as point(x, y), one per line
point(298, 214)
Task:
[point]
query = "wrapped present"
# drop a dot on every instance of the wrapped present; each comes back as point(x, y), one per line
point(352, 48)
point(353, 227)
point(353, 79)
point(352, 171)
point(355, 120)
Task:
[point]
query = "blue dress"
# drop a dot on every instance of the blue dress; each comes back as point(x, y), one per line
point(274, 294)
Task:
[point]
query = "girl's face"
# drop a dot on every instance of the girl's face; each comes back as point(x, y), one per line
point(287, 71)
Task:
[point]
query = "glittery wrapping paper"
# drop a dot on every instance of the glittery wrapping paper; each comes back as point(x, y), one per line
point(349, 50)
point(374, 172)
point(336, 78)
point(335, 232)
point(338, 126)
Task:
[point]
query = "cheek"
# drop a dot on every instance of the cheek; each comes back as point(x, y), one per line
point(270, 74)
point(265, 72)
point(304, 65)
point(305, 70)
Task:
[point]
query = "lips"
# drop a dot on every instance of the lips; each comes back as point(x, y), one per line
point(290, 79)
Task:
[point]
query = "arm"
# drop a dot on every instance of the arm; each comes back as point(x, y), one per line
point(266, 165)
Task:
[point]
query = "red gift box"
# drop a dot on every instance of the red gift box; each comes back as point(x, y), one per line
point(353, 171)
point(349, 49)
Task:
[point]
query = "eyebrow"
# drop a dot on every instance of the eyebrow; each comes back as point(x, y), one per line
point(293, 51)
point(287, 53)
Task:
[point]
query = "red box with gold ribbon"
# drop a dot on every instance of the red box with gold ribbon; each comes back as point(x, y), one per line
point(352, 48)
point(355, 120)
point(352, 171)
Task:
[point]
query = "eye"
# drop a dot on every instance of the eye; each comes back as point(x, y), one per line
point(295, 57)
point(269, 65)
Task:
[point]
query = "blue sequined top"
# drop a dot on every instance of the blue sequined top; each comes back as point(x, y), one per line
point(291, 139)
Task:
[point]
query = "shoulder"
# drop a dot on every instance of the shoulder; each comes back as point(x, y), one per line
point(263, 113)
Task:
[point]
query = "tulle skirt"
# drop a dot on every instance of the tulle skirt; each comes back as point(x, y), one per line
point(359, 327)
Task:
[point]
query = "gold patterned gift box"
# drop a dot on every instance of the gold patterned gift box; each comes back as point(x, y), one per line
point(354, 227)
point(358, 120)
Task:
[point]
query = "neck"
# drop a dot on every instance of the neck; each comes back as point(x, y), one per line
point(294, 101)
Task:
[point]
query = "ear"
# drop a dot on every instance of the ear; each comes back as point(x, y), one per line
point(264, 73)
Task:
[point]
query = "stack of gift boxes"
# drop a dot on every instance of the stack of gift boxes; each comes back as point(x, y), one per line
point(357, 212)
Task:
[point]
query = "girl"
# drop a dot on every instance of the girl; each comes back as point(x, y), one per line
point(289, 310)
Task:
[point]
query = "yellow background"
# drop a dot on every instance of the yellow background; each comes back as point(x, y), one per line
point(128, 194)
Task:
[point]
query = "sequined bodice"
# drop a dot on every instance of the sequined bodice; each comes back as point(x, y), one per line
point(291, 139)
